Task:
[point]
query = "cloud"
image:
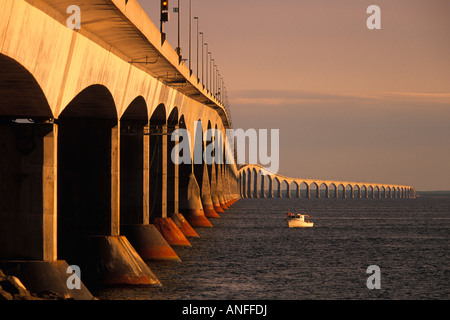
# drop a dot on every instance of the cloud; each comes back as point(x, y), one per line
point(302, 98)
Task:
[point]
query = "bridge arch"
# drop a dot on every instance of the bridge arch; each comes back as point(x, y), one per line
point(314, 190)
point(357, 189)
point(255, 187)
point(87, 171)
point(348, 191)
point(265, 182)
point(364, 191)
point(333, 190)
point(285, 189)
point(293, 189)
point(249, 183)
point(133, 123)
point(305, 190)
point(277, 186)
point(341, 191)
point(324, 190)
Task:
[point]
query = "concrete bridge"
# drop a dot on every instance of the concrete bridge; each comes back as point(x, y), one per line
point(85, 162)
point(253, 179)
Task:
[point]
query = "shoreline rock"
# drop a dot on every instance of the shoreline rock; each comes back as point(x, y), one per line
point(11, 288)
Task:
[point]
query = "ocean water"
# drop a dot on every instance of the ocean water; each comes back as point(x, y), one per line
point(251, 254)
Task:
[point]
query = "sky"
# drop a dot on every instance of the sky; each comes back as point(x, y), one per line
point(350, 103)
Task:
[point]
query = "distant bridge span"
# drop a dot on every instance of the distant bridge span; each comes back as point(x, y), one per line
point(252, 185)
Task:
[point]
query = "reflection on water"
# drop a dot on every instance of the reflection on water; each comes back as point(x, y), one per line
point(251, 254)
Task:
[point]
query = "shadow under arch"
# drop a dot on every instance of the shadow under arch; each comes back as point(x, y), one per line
point(314, 190)
point(87, 145)
point(26, 186)
point(324, 190)
point(158, 158)
point(172, 172)
point(133, 143)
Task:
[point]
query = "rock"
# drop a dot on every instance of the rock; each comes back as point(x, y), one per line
point(14, 286)
point(11, 288)
point(49, 295)
point(4, 295)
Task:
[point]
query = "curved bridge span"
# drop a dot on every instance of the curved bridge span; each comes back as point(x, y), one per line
point(253, 179)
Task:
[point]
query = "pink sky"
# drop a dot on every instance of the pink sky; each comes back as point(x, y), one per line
point(351, 103)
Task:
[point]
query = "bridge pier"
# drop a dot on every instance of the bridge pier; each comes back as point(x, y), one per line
point(28, 185)
point(270, 187)
point(192, 207)
point(89, 195)
point(207, 202)
point(159, 181)
point(224, 188)
point(215, 193)
point(263, 186)
point(135, 189)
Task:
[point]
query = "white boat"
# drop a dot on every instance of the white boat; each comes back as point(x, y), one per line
point(298, 221)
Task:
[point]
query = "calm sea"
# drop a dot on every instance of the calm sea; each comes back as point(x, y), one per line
point(251, 254)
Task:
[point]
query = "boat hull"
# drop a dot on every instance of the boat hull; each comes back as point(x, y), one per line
point(297, 223)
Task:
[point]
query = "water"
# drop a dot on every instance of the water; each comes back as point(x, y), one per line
point(250, 253)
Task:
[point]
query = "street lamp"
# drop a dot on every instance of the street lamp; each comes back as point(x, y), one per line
point(196, 18)
point(190, 33)
point(212, 76)
point(179, 46)
point(206, 63)
point(203, 80)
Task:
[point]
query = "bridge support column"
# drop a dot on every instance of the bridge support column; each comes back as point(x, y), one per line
point(270, 187)
point(263, 186)
point(159, 173)
point(220, 187)
point(193, 206)
point(288, 191)
point(327, 192)
point(255, 186)
point(298, 191)
point(29, 229)
point(135, 210)
point(215, 193)
point(208, 207)
point(89, 202)
point(250, 185)
point(225, 187)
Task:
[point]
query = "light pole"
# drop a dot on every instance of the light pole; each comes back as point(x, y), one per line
point(196, 18)
point(190, 33)
point(179, 48)
point(212, 77)
point(206, 63)
point(203, 80)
